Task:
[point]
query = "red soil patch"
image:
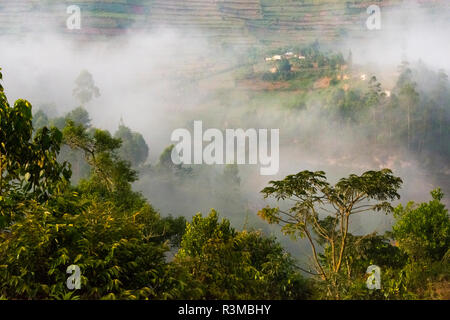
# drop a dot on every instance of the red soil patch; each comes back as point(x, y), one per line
point(322, 83)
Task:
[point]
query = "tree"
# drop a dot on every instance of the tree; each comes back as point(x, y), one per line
point(409, 99)
point(100, 152)
point(28, 165)
point(423, 231)
point(408, 96)
point(134, 148)
point(373, 98)
point(226, 264)
point(47, 225)
point(229, 199)
point(350, 59)
point(120, 256)
point(40, 120)
point(166, 166)
point(323, 210)
point(79, 116)
point(85, 89)
point(283, 65)
point(80, 167)
point(443, 108)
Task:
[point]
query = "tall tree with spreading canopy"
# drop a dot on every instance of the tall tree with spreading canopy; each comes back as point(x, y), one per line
point(318, 209)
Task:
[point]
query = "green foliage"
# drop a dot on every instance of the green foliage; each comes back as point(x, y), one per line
point(322, 210)
point(134, 149)
point(28, 166)
point(423, 231)
point(79, 116)
point(283, 65)
point(361, 252)
point(166, 166)
point(110, 173)
point(413, 266)
point(226, 264)
point(40, 120)
point(372, 249)
point(120, 256)
point(117, 239)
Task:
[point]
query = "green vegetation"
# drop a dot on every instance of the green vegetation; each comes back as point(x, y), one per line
point(66, 197)
point(321, 213)
point(311, 194)
point(133, 148)
point(303, 63)
point(226, 264)
point(423, 230)
point(117, 239)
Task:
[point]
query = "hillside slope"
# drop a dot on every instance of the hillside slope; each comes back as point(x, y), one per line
point(235, 22)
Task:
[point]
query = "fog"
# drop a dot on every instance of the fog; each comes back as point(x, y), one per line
point(408, 31)
point(153, 81)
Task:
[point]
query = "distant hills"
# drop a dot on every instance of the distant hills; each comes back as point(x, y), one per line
point(228, 22)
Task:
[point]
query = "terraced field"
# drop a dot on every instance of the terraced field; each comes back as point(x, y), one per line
point(234, 22)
